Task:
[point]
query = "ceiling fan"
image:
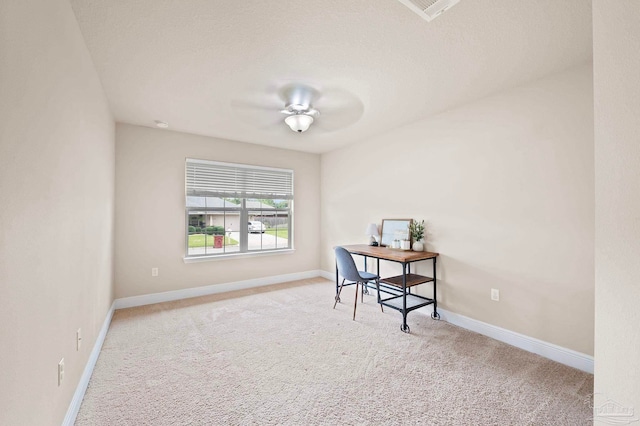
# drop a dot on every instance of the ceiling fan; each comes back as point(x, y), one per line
point(299, 105)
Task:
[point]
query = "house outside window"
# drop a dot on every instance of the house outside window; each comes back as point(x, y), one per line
point(236, 208)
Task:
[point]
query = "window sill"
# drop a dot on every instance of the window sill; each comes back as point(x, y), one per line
point(198, 259)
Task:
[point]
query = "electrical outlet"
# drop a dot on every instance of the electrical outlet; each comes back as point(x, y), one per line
point(60, 371)
point(495, 294)
point(78, 339)
point(154, 272)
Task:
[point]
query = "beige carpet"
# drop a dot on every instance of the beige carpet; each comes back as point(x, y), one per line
point(284, 356)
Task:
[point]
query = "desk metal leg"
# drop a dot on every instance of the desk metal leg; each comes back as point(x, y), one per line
point(378, 274)
point(435, 315)
point(365, 286)
point(337, 285)
point(404, 327)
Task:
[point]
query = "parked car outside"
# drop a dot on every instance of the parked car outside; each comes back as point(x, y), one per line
point(256, 226)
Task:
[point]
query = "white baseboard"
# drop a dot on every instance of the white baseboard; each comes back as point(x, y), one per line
point(78, 396)
point(328, 275)
point(530, 344)
point(168, 296)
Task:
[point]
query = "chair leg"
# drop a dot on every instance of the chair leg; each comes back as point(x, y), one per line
point(355, 305)
point(362, 292)
point(378, 288)
point(338, 295)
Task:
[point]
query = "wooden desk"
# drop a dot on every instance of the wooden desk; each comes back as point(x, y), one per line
point(400, 286)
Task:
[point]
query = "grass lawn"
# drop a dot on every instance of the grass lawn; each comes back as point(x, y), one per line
point(198, 240)
point(281, 232)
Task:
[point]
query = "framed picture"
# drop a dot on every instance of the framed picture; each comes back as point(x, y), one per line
point(394, 229)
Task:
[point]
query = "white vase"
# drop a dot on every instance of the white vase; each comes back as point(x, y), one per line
point(418, 246)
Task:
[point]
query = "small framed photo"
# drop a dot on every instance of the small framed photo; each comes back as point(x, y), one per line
point(394, 229)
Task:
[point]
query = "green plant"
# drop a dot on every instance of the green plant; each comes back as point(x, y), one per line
point(192, 229)
point(416, 229)
point(214, 230)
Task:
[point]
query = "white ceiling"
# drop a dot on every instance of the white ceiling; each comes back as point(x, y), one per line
point(187, 61)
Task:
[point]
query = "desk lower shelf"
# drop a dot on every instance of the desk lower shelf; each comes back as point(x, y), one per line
point(413, 302)
point(412, 279)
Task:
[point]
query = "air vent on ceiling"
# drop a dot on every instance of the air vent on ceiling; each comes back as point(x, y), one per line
point(429, 9)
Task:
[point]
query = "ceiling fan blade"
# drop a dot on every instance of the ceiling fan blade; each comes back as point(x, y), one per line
point(256, 114)
point(332, 98)
point(339, 109)
point(246, 105)
point(331, 122)
point(262, 98)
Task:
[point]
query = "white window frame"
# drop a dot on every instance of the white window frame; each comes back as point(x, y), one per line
point(205, 178)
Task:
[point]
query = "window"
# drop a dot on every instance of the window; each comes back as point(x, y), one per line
point(236, 208)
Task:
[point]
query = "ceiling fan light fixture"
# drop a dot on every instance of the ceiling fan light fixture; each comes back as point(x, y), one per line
point(299, 122)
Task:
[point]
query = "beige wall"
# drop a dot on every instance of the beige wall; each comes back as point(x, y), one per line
point(616, 53)
point(506, 187)
point(56, 208)
point(150, 222)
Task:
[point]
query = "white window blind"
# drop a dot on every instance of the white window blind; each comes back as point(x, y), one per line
point(214, 179)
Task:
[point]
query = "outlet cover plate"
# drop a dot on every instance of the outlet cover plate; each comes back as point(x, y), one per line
point(495, 294)
point(60, 371)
